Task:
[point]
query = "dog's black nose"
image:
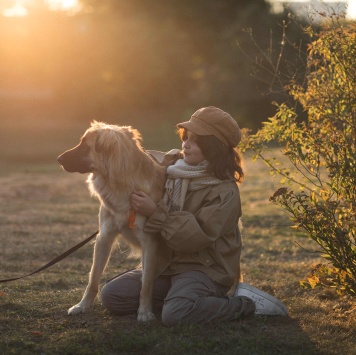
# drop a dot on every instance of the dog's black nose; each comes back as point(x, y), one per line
point(60, 159)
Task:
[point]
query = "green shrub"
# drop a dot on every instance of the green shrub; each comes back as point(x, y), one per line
point(321, 199)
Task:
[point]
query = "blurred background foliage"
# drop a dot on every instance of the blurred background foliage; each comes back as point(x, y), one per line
point(147, 63)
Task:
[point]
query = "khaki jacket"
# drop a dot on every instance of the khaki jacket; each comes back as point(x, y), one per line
point(204, 236)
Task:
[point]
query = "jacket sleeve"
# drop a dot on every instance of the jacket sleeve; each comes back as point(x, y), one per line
point(187, 232)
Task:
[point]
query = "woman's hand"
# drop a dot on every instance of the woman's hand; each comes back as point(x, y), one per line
point(143, 204)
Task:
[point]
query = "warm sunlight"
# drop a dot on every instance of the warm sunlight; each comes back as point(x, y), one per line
point(63, 4)
point(19, 8)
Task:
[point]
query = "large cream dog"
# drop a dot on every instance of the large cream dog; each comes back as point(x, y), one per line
point(118, 165)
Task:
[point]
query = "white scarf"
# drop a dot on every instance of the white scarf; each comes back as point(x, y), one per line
point(183, 177)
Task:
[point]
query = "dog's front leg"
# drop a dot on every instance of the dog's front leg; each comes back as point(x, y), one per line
point(102, 251)
point(149, 269)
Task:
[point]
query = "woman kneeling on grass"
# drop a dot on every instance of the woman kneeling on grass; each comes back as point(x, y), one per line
point(198, 219)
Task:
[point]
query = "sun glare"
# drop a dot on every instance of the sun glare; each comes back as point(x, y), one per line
point(351, 10)
point(20, 7)
point(63, 4)
point(17, 10)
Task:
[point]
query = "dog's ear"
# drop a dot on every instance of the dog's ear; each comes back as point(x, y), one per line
point(134, 135)
point(105, 141)
point(99, 146)
point(109, 141)
point(129, 133)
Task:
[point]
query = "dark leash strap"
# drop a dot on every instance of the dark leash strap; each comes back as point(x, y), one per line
point(57, 259)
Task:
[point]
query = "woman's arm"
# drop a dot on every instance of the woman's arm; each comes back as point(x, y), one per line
point(187, 232)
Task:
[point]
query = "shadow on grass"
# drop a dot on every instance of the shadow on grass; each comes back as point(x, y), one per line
point(257, 336)
point(27, 330)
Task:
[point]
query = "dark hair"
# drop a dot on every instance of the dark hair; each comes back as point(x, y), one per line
point(224, 162)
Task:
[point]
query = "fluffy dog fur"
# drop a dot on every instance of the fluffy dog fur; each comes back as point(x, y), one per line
point(118, 165)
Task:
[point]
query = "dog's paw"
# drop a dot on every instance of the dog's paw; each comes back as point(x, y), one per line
point(76, 309)
point(145, 317)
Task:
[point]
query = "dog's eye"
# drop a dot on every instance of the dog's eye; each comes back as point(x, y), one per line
point(83, 146)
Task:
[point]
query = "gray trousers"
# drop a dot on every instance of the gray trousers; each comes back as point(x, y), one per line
point(187, 298)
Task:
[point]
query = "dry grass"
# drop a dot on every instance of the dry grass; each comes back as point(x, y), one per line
point(44, 211)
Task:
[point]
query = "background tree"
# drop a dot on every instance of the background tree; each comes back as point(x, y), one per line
point(135, 58)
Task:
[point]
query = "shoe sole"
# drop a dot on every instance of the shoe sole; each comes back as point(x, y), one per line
point(246, 290)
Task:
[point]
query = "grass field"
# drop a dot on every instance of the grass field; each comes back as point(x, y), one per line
point(44, 211)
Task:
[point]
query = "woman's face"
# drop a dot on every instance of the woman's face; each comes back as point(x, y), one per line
point(191, 152)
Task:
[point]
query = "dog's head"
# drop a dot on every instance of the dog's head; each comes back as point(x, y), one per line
point(100, 146)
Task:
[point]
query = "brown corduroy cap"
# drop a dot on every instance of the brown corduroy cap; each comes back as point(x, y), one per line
point(211, 121)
